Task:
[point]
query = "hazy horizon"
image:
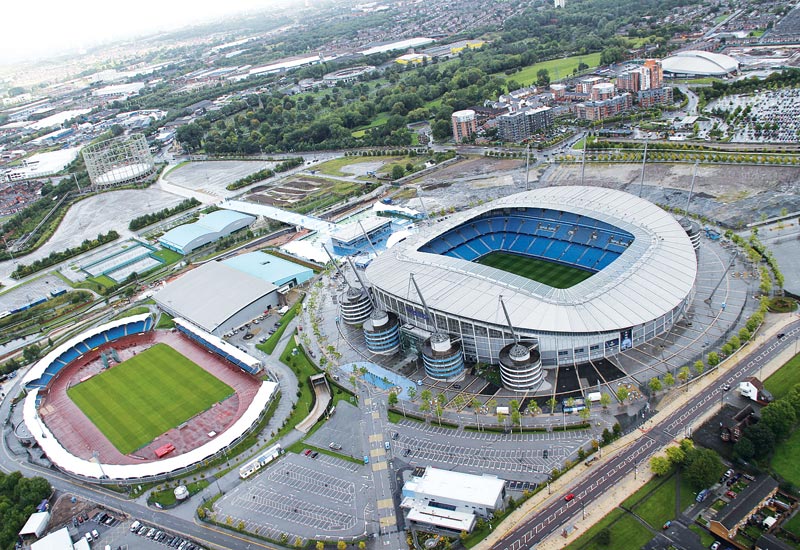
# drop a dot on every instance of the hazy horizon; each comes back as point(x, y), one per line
point(60, 27)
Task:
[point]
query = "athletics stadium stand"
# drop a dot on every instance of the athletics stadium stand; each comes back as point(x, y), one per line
point(51, 364)
point(227, 351)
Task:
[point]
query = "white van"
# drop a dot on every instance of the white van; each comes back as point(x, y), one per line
point(135, 525)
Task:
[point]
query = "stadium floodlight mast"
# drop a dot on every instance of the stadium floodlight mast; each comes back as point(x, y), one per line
point(644, 162)
point(583, 158)
point(339, 271)
point(438, 335)
point(691, 188)
point(508, 320)
point(372, 246)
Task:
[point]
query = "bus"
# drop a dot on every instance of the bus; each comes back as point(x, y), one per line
point(262, 460)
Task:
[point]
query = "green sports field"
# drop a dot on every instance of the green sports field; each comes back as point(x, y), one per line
point(143, 397)
point(549, 273)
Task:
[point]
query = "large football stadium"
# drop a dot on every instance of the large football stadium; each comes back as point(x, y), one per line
point(584, 272)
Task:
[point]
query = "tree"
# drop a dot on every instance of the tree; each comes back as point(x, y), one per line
point(699, 367)
point(397, 172)
point(362, 545)
point(542, 78)
point(683, 374)
point(660, 465)
point(412, 393)
point(779, 416)
point(475, 403)
point(703, 468)
point(669, 380)
point(441, 398)
point(320, 545)
point(585, 414)
point(622, 393)
point(514, 405)
point(392, 399)
point(763, 439)
point(744, 448)
point(655, 385)
point(604, 537)
point(341, 545)
point(426, 395)
point(676, 455)
point(441, 130)
point(605, 400)
point(552, 403)
point(713, 359)
point(516, 418)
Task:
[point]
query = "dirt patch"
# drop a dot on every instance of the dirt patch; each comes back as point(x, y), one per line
point(733, 195)
point(361, 168)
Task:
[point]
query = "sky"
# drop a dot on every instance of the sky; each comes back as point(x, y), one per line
point(45, 27)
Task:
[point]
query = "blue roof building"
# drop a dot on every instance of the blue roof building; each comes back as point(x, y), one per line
point(271, 268)
point(211, 227)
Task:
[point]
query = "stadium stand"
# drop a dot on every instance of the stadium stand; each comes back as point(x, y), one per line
point(230, 353)
point(52, 363)
point(560, 237)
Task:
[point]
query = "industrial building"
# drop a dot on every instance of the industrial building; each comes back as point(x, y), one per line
point(451, 501)
point(186, 238)
point(521, 125)
point(230, 297)
point(233, 291)
point(276, 270)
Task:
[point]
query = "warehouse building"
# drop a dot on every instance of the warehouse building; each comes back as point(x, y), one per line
point(279, 272)
point(217, 297)
point(211, 227)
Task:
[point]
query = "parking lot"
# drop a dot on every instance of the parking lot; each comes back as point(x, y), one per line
point(108, 528)
point(527, 457)
point(300, 496)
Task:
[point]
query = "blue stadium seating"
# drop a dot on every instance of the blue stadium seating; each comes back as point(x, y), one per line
point(555, 249)
point(464, 252)
point(479, 246)
point(572, 253)
point(116, 332)
point(96, 340)
point(82, 347)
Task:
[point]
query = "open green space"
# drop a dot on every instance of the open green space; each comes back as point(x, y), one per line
point(784, 461)
point(543, 271)
point(137, 310)
point(379, 120)
point(784, 379)
point(143, 397)
point(558, 68)
point(625, 532)
point(793, 525)
point(169, 256)
point(659, 506)
point(706, 538)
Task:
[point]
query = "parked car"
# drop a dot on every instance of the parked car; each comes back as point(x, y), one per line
point(307, 452)
point(95, 534)
point(366, 459)
point(335, 446)
point(715, 545)
point(730, 494)
point(667, 524)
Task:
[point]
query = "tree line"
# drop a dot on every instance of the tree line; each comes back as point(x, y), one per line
point(19, 497)
point(153, 217)
point(55, 257)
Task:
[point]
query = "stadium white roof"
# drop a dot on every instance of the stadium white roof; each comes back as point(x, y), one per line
point(224, 290)
point(700, 63)
point(653, 276)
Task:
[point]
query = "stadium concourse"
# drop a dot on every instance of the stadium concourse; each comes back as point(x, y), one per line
point(75, 445)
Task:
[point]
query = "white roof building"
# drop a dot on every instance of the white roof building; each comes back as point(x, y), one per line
point(452, 500)
point(36, 524)
point(699, 63)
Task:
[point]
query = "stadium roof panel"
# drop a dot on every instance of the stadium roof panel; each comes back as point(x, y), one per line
point(270, 268)
point(651, 277)
point(224, 290)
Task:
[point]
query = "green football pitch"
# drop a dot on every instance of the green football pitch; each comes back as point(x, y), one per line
point(143, 397)
point(549, 273)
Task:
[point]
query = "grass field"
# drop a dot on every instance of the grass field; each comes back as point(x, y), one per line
point(625, 530)
point(143, 397)
point(558, 68)
point(785, 462)
point(659, 506)
point(784, 379)
point(549, 273)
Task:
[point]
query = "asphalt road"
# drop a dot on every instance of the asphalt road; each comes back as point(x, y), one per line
point(553, 516)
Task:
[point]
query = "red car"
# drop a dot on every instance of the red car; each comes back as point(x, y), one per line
point(307, 452)
point(569, 497)
point(730, 494)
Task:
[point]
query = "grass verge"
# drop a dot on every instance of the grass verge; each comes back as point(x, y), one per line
point(624, 531)
point(784, 379)
point(269, 346)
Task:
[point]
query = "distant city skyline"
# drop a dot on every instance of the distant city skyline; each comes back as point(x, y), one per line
point(53, 27)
